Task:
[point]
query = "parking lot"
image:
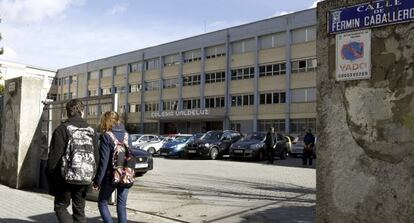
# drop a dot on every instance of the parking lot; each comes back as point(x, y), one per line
point(180, 190)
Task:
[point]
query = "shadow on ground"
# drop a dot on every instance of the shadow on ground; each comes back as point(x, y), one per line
point(288, 214)
point(51, 218)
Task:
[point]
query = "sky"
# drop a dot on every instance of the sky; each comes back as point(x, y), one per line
point(55, 34)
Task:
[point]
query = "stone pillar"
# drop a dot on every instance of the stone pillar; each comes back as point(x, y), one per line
point(20, 150)
point(365, 166)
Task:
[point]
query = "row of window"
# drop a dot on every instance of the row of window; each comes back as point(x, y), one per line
point(272, 98)
point(242, 100)
point(297, 126)
point(297, 66)
point(214, 102)
point(191, 103)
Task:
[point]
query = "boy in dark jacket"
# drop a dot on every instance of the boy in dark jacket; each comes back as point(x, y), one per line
point(58, 187)
point(270, 142)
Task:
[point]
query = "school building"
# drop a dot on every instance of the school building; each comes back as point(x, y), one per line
point(247, 78)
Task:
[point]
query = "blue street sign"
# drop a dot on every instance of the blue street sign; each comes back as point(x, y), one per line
point(372, 14)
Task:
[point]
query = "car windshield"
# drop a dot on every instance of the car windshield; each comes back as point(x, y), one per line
point(134, 137)
point(255, 136)
point(181, 138)
point(212, 136)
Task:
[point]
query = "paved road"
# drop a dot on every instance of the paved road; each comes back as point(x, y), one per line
point(226, 191)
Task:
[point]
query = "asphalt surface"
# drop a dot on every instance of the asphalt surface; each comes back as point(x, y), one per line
point(180, 190)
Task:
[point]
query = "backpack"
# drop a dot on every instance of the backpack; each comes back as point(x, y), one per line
point(78, 160)
point(123, 162)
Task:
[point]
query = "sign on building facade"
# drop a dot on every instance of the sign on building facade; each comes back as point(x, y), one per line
point(372, 14)
point(353, 55)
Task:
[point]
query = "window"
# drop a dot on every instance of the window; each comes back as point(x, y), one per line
point(119, 70)
point(192, 56)
point(215, 51)
point(122, 109)
point(151, 107)
point(171, 60)
point(170, 105)
point(304, 65)
point(191, 103)
point(74, 79)
point(107, 72)
point(135, 67)
point(105, 108)
point(93, 110)
point(93, 92)
point(272, 69)
point(134, 108)
point(272, 98)
point(214, 77)
point(171, 83)
point(93, 75)
point(214, 102)
point(304, 95)
point(303, 35)
point(152, 64)
point(120, 89)
point(134, 87)
point(106, 91)
point(273, 40)
point(278, 124)
point(299, 126)
point(242, 100)
point(243, 46)
point(152, 85)
point(242, 73)
point(191, 80)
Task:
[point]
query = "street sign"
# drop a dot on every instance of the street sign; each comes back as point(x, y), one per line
point(371, 14)
point(353, 55)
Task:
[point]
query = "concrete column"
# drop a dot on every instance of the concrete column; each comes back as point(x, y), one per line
point(256, 83)
point(69, 85)
point(86, 82)
point(180, 81)
point(113, 80)
point(21, 144)
point(365, 144)
point(142, 93)
point(161, 108)
point(77, 86)
point(126, 93)
point(100, 82)
point(203, 78)
point(226, 121)
point(288, 75)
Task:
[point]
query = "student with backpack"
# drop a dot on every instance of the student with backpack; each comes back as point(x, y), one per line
point(116, 166)
point(71, 164)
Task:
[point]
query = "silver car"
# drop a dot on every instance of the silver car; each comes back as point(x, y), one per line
point(298, 145)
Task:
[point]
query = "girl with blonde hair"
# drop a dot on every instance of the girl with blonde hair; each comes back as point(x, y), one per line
point(110, 126)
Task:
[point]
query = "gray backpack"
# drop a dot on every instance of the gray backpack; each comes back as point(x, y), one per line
point(78, 161)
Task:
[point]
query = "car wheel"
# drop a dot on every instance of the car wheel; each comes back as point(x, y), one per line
point(213, 153)
point(151, 150)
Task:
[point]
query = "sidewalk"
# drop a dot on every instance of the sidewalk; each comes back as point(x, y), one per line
point(19, 206)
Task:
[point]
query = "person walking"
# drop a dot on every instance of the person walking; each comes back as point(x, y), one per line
point(309, 142)
point(110, 127)
point(270, 143)
point(74, 143)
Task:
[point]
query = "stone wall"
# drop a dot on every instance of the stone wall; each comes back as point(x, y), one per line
point(365, 170)
point(20, 151)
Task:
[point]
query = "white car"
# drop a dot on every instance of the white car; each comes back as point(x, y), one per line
point(154, 147)
point(298, 145)
point(140, 139)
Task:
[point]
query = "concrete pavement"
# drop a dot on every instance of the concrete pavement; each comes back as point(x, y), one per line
point(18, 206)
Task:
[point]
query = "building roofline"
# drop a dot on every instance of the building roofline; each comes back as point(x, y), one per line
point(188, 38)
point(28, 66)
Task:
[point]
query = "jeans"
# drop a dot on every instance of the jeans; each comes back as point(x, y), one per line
point(307, 155)
point(62, 201)
point(270, 152)
point(105, 194)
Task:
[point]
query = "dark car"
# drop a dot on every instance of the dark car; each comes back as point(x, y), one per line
point(252, 146)
point(281, 147)
point(176, 147)
point(144, 161)
point(213, 144)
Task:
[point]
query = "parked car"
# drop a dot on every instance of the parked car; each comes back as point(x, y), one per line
point(155, 146)
point(144, 161)
point(177, 147)
point(139, 139)
point(252, 146)
point(298, 145)
point(213, 144)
